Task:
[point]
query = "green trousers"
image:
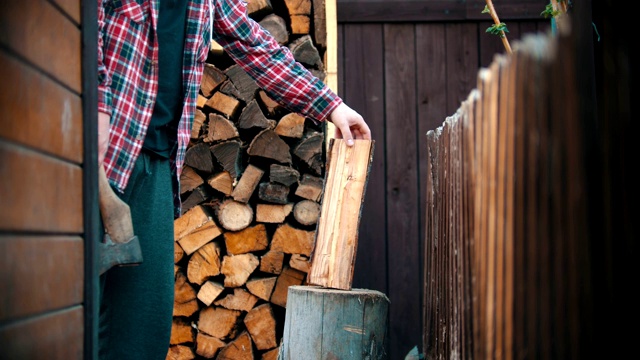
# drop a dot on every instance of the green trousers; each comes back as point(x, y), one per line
point(136, 305)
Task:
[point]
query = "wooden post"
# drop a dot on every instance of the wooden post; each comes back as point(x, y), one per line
point(323, 323)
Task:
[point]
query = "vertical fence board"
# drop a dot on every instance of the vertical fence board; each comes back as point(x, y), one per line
point(402, 189)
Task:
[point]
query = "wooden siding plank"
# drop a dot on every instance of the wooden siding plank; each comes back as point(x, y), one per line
point(364, 92)
point(402, 188)
point(55, 336)
point(45, 37)
point(434, 10)
point(71, 8)
point(38, 112)
point(39, 193)
point(34, 278)
point(462, 63)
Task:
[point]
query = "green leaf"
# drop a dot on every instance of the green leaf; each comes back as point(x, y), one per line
point(486, 9)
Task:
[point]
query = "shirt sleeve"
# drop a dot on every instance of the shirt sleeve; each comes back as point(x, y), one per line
point(272, 66)
point(104, 79)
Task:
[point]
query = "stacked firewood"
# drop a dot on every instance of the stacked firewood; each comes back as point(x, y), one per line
point(251, 190)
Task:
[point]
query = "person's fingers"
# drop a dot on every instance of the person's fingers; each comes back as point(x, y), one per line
point(357, 134)
point(346, 134)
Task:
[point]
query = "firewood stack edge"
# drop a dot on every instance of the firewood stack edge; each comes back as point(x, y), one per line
point(251, 189)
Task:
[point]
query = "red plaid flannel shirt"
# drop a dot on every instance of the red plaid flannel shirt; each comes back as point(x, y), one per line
point(128, 77)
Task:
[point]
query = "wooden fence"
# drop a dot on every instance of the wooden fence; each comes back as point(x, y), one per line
point(506, 257)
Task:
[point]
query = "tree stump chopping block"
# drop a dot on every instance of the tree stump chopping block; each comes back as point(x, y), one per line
point(323, 323)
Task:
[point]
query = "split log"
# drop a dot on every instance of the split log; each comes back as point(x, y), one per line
point(185, 302)
point(248, 240)
point(247, 87)
point(305, 52)
point(320, 23)
point(199, 237)
point(288, 277)
point(201, 102)
point(239, 349)
point(271, 262)
point(273, 193)
point(180, 352)
point(208, 346)
point(222, 182)
point(257, 8)
point(267, 144)
point(262, 287)
point(234, 215)
point(309, 150)
point(247, 184)
point(198, 157)
point(253, 117)
point(272, 107)
point(238, 268)
point(306, 212)
point(178, 253)
point(228, 88)
point(271, 354)
point(299, 262)
point(220, 129)
point(199, 119)
point(212, 77)
point(229, 156)
point(298, 7)
point(196, 197)
point(291, 126)
point(204, 263)
point(181, 332)
point(261, 324)
point(292, 241)
point(277, 27)
point(240, 300)
point(219, 322)
point(300, 24)
point(224, 104)
point(348, 170)
point(191, 220)
point(209, 291)
point(189, 179)
point(325, 323)
point(310, 187)
point(285, 175)
point(273, 213)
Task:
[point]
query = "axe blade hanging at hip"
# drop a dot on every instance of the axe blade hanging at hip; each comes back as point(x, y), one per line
point(120, 246)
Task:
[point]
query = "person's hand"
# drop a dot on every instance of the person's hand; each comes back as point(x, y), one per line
point(349, 124)
point(103, 135)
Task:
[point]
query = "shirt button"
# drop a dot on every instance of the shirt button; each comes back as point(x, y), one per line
point(139, 137)
point(149, 101)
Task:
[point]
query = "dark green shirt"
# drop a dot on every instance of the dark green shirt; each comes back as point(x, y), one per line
point(162, 133)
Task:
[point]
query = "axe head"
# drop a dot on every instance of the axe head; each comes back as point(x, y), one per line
point(120, 247)
point(119, 253)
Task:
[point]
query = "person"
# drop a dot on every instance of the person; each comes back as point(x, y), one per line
point(151, 56)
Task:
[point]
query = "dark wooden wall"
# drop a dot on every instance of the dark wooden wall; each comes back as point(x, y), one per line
point(406, 66)
point(42, 259)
